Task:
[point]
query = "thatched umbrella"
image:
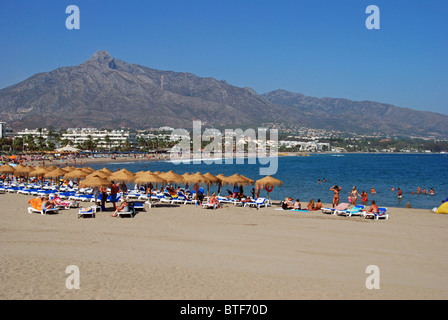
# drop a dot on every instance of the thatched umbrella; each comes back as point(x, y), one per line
point(77, 174)
point(17, 168)
point(211, 180)
point(150, 178)
point(123, 176)
point(68, 168)
point(57, 173)
point(7, 169)
point(196, 179)
point(171, 177)
point(39, 172)
point(268, 182)
point(51, 168)
point(23, 171)
point(87, 169)
point(222, 178)
point(249, 181)
point(98, 173)
point(105, 170)
point(94, 181)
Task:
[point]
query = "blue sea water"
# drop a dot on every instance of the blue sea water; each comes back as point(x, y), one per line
point(300, 176)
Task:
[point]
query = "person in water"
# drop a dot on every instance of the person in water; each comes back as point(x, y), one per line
point(364, 197)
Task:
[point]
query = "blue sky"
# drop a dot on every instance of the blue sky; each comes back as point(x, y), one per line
point(319, 48)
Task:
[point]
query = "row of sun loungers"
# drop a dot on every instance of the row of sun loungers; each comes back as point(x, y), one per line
point(357, 210)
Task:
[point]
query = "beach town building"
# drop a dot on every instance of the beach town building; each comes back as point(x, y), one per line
point(44, 133)
point(104, 138)
point(4, 130)
point(308, 146)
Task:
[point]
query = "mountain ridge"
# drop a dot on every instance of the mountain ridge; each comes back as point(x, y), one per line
point(106, 92)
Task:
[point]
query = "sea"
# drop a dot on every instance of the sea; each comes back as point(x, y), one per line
point(303, 176)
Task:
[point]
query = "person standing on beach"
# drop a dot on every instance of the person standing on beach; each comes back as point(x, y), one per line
point(113, 194)
point(336, 189)
point(103, 192)
point(354, 195)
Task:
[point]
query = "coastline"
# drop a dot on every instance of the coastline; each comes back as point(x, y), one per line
point(185, 252)
point(154, 157)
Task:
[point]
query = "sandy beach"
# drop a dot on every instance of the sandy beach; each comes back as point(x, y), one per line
point(185, 252)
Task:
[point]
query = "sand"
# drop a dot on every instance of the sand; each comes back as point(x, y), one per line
point(185, 252)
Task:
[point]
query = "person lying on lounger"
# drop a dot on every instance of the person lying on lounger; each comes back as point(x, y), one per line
point(46, 204)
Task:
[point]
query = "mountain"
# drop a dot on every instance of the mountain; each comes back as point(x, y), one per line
point(364, 117)
point(105, 92)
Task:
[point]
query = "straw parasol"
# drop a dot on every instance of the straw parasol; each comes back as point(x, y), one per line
point(234, 179)
point(249, 181)
point(98, 173)
point(57, 173)
point(211, 180)
point(68, 168)
point(122, 175)
point(77, 174)
point(87, 169)
point(17, 168)
point(39, 172)
point(172, 177)
point(105, 170)
point(196, 179)
point(24, 171)
point(222, 178)
point(95, 181)
point(51, 168)
point(6, 168)
point(149, 177)
point(268, 183)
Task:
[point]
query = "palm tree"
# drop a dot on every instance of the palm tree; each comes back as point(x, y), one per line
point(107, 140)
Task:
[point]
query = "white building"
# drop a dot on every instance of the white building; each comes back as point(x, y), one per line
point(105, 138)
point(80, 135)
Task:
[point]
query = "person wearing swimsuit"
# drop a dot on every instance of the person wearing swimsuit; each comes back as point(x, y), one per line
point(354, 194)
point(336, 191)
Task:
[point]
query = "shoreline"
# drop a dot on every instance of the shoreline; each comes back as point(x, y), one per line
point(184, 252)
point(89, 160)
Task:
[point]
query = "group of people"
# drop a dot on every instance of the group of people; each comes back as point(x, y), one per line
point(352, 195)
point(424, 191)
point(290, 204)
